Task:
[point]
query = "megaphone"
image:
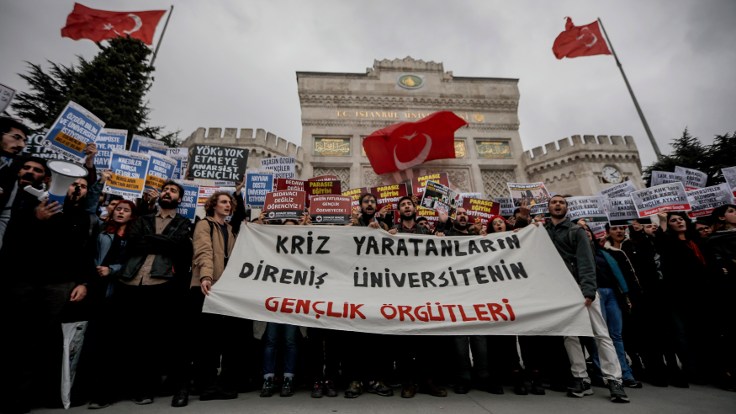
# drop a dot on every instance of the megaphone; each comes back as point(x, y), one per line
point(63, 175)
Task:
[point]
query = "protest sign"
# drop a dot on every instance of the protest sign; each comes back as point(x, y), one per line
point(128, 173)
point(661, 198)
point(322, 187)
point(598, 229)
point(478, 209)
point(6, 95)
point(108, 141)
point(282, 167)
point(461, 196)
point(188, 205)
point(620, 210)
point(431, 215)
point(160, 170)
point(287, 204)
point(505, 206)
point(217, 163)
point(257, 184)
point(389, 195)
point(438, 197)
point(418, 183)
point(205, 191)
point(729, 174)
point(145, 144)
point(359, 279)
point(704, 200)
point(355, 193)
point(619, 190)
point(535, 195)
point(693, 178)
point(73, 129)
point(590, 208)
point(330, 209)
point(36, 148)
point(666, 177)
point(181, 155)
point(289, 184)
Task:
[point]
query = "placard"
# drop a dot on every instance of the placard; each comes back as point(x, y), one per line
point(181, 155)
point(285, 205)
point(73, 129)
point(281, 167)
point(355, 193)
point(479, 209)
point(188, 204)
point(505, 206)
point(289, 184)
point(704, 200)
point(693, 178)
point(619, 190)
point(418, 183)
point(107, 141)
point(323, 187)
point(6, 96)
point(388, 195)
point(257, 185)
point(330, 209)
point(144, 145)
point(590, 208)
point(160, 170)
point(205, 191)
point(217, 163)
point(661, 198)
point(729, 174)
point(438, 197)
point(621, 210)
point(666, 177)
point(535, 195)
point(128, 173)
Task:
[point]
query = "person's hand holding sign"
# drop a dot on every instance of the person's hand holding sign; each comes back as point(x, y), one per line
point(45, 210)
point(89, 155)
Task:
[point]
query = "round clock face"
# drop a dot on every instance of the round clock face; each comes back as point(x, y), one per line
point(611, 174)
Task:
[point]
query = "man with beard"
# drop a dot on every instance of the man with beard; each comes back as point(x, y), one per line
point(459, 227)
point(55, 247)
point(408, 218)
point(150, 298)
point(367, 215)
point(13, 136)
point(573, 245)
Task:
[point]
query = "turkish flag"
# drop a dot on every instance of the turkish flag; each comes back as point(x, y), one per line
point(99, 25)
point(407, 144)
point(578, 41)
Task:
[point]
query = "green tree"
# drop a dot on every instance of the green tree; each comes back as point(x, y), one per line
point(689, 152)
point(113, 86)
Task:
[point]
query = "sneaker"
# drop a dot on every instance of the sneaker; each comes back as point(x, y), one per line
point(268, 387)
point(579, 388)
point(317, 391)
point(632, 383)
point(354, 390)
point(379, 388)
point(97, 405)
point(328, 388)
point(143, 400)
point(618, 395)
point(287, 388)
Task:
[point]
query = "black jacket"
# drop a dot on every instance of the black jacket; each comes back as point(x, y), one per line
point(173, 248)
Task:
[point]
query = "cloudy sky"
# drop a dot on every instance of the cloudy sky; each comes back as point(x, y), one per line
point(228, 63)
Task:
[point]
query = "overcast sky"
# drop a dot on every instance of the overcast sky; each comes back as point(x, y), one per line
point(228, 63)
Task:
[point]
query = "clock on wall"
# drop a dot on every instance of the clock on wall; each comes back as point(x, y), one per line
point(611, 174)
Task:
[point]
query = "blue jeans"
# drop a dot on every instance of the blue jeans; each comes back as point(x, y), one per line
point(274, 333)
point(612, 315)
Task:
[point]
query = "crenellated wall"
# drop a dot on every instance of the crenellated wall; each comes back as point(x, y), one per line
point(261, 144)
point(573, 165)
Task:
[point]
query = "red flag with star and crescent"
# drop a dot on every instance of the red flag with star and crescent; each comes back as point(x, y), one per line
point(578, 41)
point(402, 146)
point(98, 25)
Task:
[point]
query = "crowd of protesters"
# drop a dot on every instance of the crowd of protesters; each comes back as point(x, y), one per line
point(657, 293)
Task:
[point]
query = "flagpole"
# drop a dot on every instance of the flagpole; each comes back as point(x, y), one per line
point(633, 97)
point(163, 32)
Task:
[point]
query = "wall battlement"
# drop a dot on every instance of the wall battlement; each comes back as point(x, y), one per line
point(261, 139)
point(578, 144)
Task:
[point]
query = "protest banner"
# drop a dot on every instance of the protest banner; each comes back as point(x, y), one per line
point(661, 198)
point(322, 187)
point(217, 163)
point(693, 178)
point(289, 184)
point(36, 148)
point(181, 155)
point(285, 205)
point(281, 167)
point(257, 184)
point(144, 144)
point(74, 128)
point(666, 177)
point(188, 205)
point(128, 173)
point(598, 229)
point(160, 170)
point(108, 141)
point(389, 195)
point(461, 196)
point(619, 190)
point(704, 200)
point(418, 183)
point(590, 208)
point(6, 95)
point(205, 191)
point(359, 279)
point(478, 209)
point(355, 193)
point(330, 209)
point(438, 197)
point(505, 206)
point(729, 174)
point(621, 210)
point(534, 194)
point(431, 215)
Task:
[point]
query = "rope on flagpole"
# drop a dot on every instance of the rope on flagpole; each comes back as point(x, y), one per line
point(633, 97)
point(163, 32)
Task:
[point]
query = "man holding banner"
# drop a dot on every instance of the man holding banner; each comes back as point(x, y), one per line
point(573, 245)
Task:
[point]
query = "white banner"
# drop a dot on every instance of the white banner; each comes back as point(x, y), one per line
point(362, 279)
point(661, 198)
point(693, 178)
point(704, 200)
point(590, 208)
point(618, 190)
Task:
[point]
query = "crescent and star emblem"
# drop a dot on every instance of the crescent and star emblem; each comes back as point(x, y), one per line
point(136, 20)
point(587, 31)
point(420, 158)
